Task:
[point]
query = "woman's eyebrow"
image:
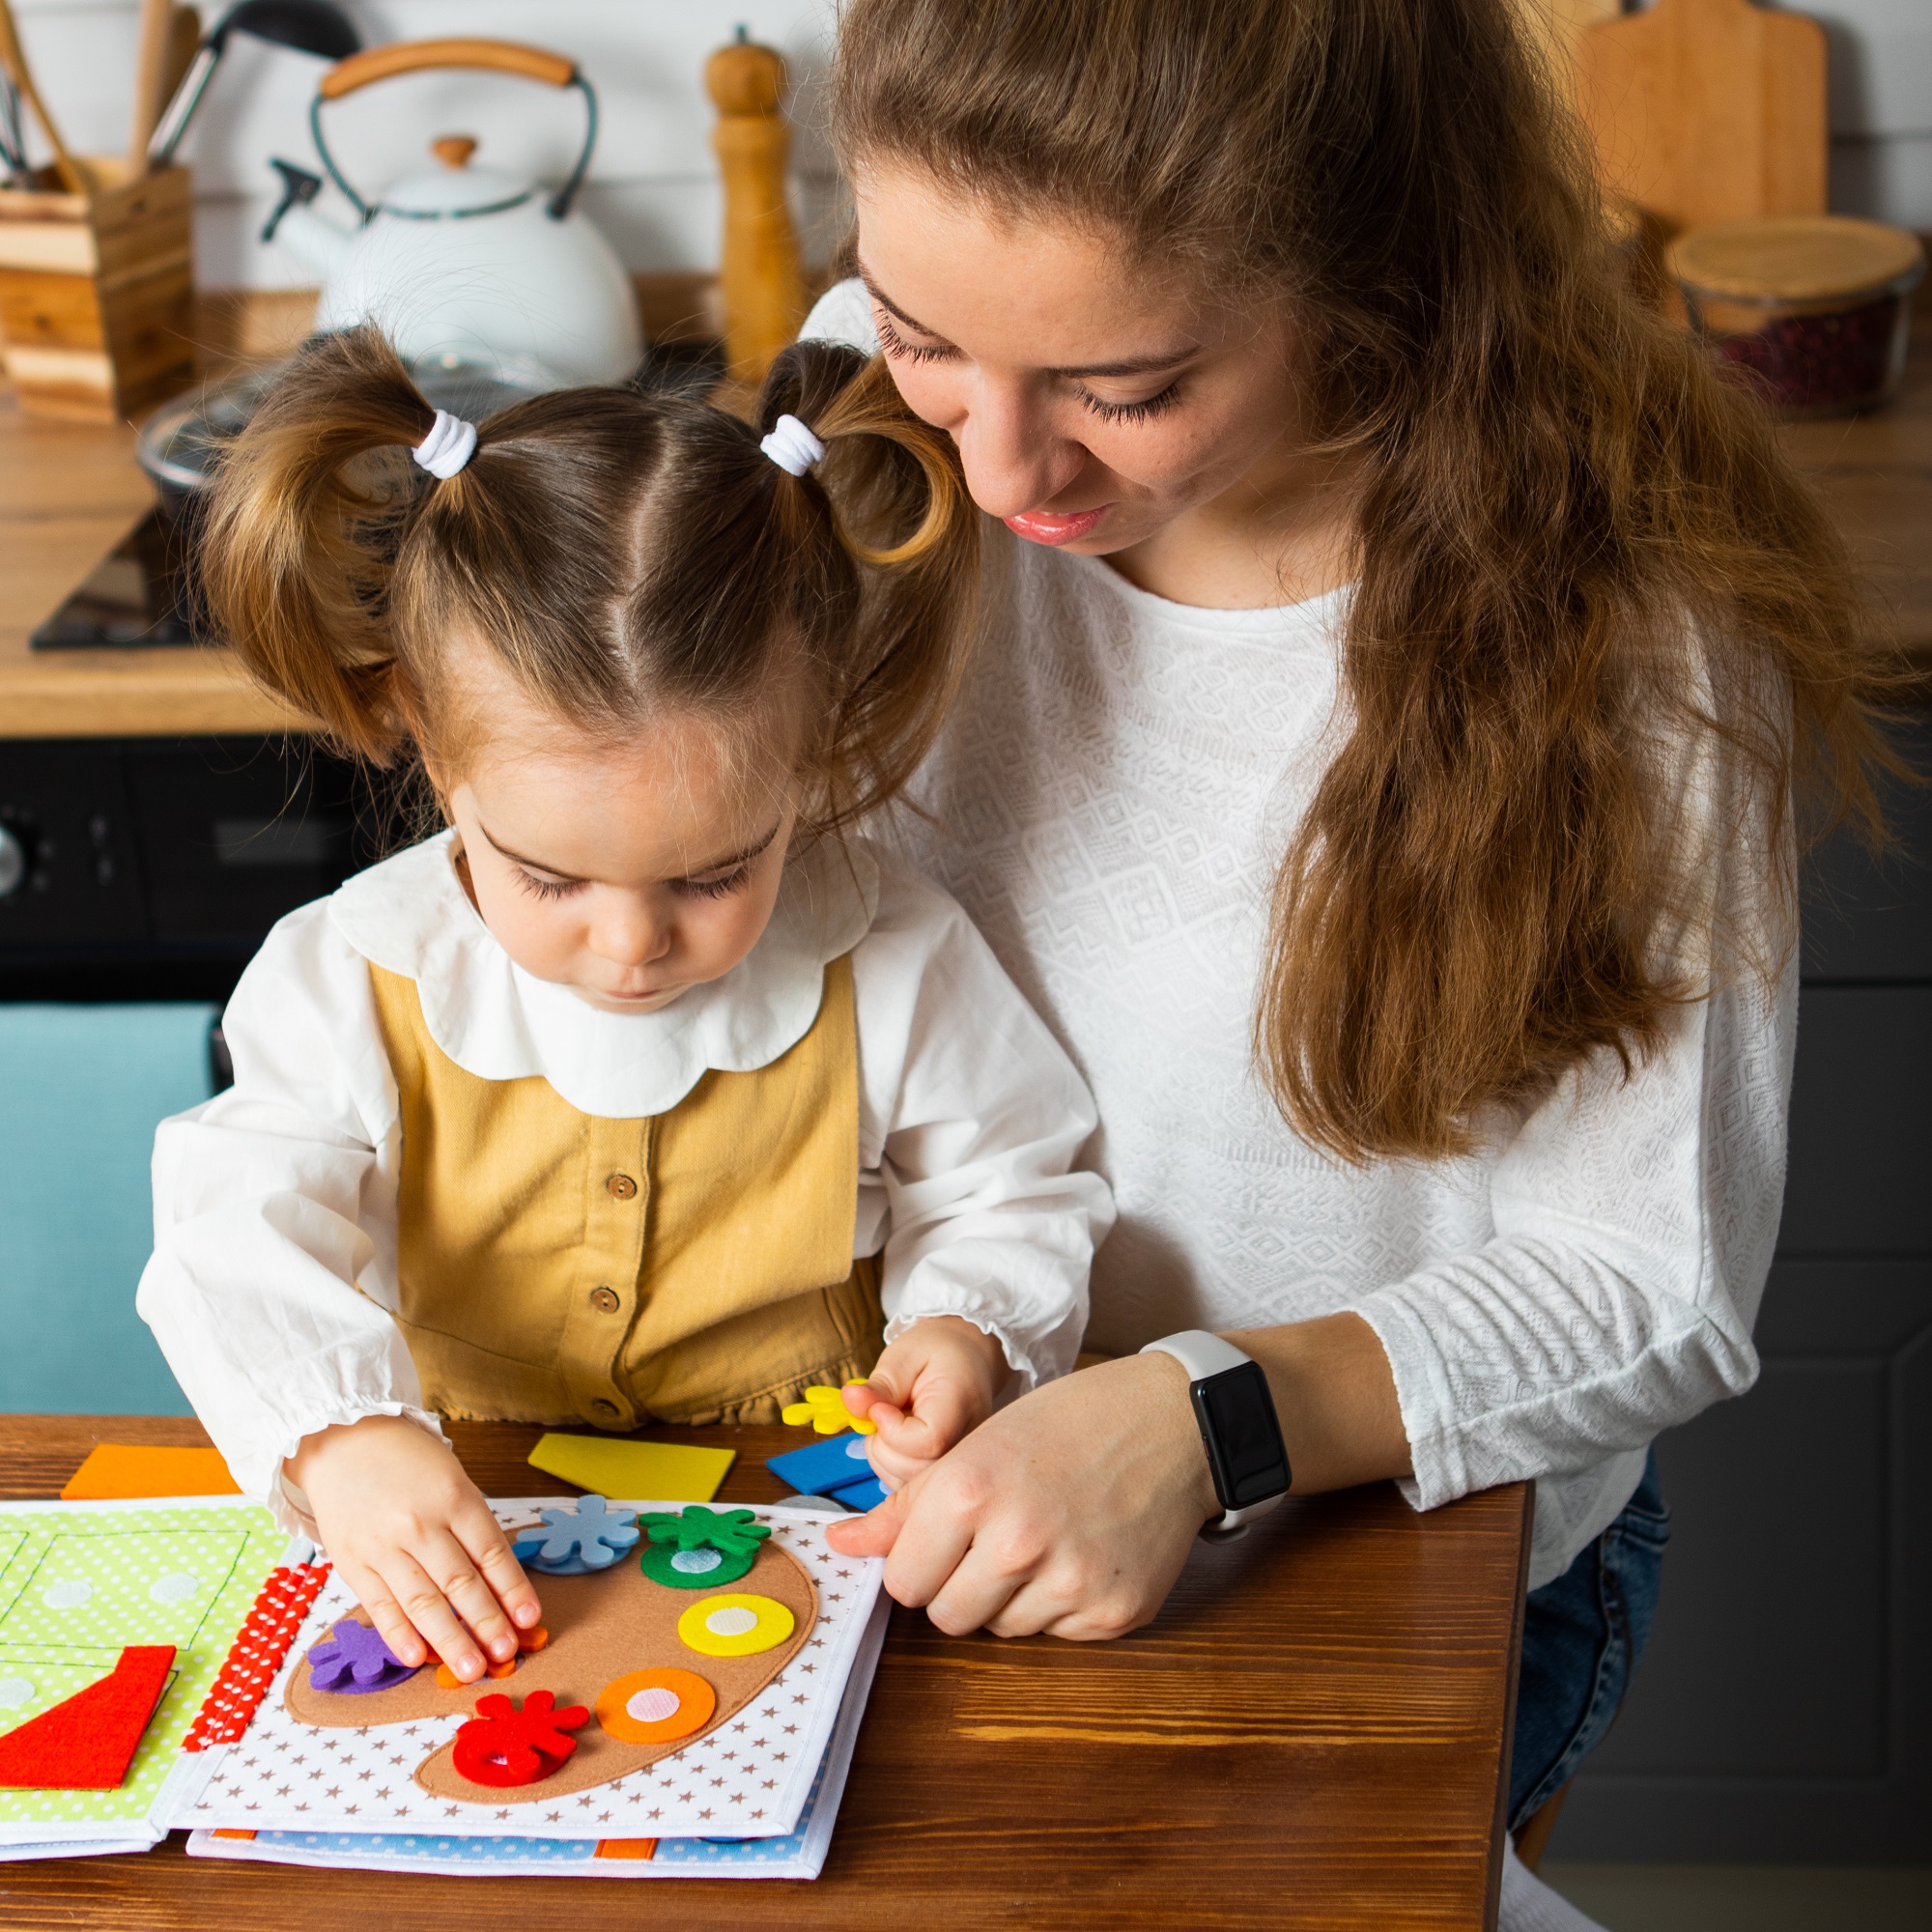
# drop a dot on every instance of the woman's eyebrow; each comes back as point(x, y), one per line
point(530, 865)
point(1133, 366)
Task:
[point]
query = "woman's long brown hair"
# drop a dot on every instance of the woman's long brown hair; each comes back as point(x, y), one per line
point(1581, 557)
point(621, 555)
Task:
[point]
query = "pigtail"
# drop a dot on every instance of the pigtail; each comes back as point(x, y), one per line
point(901, 515)
point(309, 510)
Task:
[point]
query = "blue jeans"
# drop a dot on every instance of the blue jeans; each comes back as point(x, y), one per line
point(1582, 1638)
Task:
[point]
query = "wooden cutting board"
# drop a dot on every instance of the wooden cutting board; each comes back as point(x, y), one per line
point(1708, 110)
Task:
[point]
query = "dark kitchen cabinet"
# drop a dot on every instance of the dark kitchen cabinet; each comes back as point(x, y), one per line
point(1784, 1712)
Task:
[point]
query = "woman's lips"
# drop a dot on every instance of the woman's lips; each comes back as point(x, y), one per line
point(1047, 527)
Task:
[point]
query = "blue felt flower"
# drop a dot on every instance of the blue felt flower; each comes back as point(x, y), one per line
point(572, 1541)
point(353, 1659)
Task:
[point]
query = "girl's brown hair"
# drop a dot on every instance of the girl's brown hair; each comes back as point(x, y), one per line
point(620, 553)
point(1579, 554)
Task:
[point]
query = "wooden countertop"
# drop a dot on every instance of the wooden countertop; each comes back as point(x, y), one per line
point(1311, 1734)
point(70, 490)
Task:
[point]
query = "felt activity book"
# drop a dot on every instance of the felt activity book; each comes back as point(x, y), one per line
point(117, 1624)
point(686, 1684)
point(797, 1854)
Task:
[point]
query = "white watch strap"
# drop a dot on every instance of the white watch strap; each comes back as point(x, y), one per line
point(1202, 1353)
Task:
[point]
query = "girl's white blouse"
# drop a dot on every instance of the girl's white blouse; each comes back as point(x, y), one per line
point(274, 1264)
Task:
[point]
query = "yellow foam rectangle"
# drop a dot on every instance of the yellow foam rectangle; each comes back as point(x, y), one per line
point(118, 1471)
point(670, 1472)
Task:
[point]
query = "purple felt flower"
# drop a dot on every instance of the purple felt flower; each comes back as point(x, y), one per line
point(353, 1659)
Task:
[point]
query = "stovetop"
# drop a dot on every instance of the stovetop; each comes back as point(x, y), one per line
point(142, 593)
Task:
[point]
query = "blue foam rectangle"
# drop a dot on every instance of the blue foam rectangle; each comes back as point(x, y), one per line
point(821, 1466)
point(868, 1492)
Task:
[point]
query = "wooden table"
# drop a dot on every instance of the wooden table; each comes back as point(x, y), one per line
point(1312, 1734)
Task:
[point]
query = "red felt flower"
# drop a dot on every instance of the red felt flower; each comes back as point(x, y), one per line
point(501, 1745)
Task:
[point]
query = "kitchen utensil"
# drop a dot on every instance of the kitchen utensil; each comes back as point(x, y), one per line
point(1708, 110)
point(1819, 307)
point(184, 43)
point(12, 135)
point(463, 260)
point(96, 290)
point(308, 26)
point(763, 283)
point(14, 57)
point(150, 62)
point(181, 445)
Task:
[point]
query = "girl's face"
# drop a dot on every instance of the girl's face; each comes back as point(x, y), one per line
point(629, 874)
point(1092, 406)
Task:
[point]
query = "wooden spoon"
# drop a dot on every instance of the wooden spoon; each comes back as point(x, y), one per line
point(15, 60)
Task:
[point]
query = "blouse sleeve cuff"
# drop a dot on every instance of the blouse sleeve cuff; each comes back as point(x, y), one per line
point(1032, 1360)
point(1440, 1470)
point(263, 1474)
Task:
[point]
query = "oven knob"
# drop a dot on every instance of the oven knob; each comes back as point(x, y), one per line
point(13, 863)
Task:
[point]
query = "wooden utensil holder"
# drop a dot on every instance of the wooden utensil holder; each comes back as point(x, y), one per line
point(96, 291)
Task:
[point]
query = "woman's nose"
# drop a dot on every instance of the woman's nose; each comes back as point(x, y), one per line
point(1013, 458)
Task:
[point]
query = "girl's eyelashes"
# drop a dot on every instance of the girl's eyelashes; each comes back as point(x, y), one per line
point(716, 888)
point(1131, 412)
point(546, 888)
point(897, 346)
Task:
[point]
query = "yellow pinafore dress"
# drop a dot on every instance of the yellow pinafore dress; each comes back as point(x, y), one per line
point(695, 1266)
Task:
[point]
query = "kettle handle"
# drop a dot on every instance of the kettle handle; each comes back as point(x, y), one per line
point(400, 57)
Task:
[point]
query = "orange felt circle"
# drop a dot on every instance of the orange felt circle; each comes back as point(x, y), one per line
point(695, 1702)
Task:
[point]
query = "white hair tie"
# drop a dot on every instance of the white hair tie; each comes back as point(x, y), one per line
point(447, 447)
point(792, 446)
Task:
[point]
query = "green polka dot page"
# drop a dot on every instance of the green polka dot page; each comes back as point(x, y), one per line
point(80, 1580)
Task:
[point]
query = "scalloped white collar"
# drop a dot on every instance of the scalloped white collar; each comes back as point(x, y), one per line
point(410, 916)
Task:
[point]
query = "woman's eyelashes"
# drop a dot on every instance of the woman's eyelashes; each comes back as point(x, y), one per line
point(540, 888)
point(716, 888)
point(899, 349)
point(1131, 412)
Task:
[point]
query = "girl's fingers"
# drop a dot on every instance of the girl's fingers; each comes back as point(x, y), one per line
point(489, 1548)
point(463, 1587)
point(384, 1612)
point(426, 1606)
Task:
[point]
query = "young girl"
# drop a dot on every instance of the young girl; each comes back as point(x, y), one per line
point(640, 1093)
point(1380, 764)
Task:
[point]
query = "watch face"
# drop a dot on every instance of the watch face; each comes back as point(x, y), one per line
point(1243, 1438)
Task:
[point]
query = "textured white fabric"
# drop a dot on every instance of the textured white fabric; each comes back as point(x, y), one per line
point(1528, 1905)
point(1115, 787)
point(792, 446)
point(274, 1264)
point(449, 444)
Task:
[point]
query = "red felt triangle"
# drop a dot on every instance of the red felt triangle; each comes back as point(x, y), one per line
point(87, 1742)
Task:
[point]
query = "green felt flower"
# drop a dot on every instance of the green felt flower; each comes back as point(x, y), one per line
point(700, 1549)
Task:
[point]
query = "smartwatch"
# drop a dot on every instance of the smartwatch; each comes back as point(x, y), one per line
point(1238, 1427)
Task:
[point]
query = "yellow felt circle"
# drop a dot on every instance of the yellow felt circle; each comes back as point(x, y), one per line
point(735, 1626)
point(651, 1707)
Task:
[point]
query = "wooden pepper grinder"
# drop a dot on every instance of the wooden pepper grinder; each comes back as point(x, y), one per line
point(763, 283)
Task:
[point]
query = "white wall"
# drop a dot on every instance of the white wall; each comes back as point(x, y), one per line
point(653, 186)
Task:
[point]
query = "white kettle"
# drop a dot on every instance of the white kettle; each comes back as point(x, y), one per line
point(461, 264)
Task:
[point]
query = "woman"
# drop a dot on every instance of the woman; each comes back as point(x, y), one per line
point(1379, 767)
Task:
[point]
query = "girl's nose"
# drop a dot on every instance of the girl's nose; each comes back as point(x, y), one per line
point(1014, 459)
point(627, 932)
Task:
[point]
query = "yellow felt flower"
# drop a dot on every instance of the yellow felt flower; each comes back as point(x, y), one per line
point(825, 1409)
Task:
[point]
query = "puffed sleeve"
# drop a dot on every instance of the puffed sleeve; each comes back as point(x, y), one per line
point(276, 1214)
point(972, 1126)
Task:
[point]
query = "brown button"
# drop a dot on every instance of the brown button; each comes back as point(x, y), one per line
point(621, 1186)
point(603, 1406)
point(604, 1301)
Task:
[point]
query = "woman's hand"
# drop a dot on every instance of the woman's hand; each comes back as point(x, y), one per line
point(1071, 1511)
point(415, 1541)
point(931, 1389)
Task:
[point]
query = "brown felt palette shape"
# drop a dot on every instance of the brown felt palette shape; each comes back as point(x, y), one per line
point(602, 1627)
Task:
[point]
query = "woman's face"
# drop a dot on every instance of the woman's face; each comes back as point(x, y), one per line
point(1093, 405)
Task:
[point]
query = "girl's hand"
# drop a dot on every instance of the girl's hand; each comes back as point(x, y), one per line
point(1071, 1511)
point(931, 1389)
point(414, 1538)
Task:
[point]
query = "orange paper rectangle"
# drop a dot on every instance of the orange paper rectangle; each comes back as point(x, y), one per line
point(627, 1848)
point(116, 1471)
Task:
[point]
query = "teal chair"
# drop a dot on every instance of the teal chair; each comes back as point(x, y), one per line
point(81, 1092)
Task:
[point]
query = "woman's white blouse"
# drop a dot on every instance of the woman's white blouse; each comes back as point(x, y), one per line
point(1112, 794)
point(274, 1264)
